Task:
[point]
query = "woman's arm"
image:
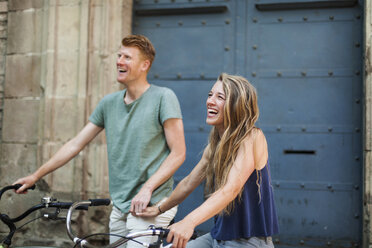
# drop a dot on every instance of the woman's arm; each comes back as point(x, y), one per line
point(241, 170)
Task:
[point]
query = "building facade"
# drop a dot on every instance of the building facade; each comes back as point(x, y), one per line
point(310, 61)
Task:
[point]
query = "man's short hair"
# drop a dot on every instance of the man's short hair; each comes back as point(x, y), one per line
point(142, 43)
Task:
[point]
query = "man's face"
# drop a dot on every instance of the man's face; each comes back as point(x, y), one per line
point(130, 64)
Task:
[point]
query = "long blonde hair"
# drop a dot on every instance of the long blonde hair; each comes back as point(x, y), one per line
point(240, 114)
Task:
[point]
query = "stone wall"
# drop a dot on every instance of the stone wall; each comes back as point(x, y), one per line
point(60, 60)
point(3, 42)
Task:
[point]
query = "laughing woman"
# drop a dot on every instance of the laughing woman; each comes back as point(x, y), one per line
point(236, 170)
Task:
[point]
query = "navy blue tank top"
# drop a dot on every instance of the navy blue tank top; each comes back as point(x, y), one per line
point(253, 215)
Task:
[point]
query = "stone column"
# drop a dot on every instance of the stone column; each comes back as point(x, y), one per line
point(367, 224)
point(3, 42)
point(60, 62)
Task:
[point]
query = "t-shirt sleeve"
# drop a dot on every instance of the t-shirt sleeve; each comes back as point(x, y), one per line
point(169, 106)
point(97, 117)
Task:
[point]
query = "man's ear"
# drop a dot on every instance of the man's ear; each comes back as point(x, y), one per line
point(146, 65)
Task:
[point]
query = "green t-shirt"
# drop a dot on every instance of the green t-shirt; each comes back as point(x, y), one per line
point(136, 143)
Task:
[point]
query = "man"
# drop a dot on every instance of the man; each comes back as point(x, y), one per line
point(145, 141)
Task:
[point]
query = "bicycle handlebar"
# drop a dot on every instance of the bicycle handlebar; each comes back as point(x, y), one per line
point(152, 231)
point(76, 205)
point(49, 203)
point(14, 186)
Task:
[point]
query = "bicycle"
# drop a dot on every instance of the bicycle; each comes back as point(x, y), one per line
point(47, 202)
point(161, 233)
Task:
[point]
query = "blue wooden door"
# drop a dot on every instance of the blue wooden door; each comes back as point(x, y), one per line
point(305, 59)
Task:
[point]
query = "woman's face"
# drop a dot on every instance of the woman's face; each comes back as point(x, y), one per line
point(215, 105)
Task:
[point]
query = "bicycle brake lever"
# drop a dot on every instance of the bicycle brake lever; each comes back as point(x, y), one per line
point(53, 216)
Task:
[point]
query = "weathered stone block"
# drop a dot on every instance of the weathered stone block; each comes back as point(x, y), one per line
point(68, 28)
point(2, 65)
point(17, 160)
point(3, 17)
point(20, 120)
point(97, 2)
point(127, 17)
point(64, 2)
point(22, 4)
point(67, 75)
point(2, 80)
point(106, 36)
point(95, 24)
point(97, 169)
point(63, 74)
point(3, 30)
point(24, 31)
point(3, 6)
point(23, 75)
point(3, 43)
point(63, 118)
point(67, 178)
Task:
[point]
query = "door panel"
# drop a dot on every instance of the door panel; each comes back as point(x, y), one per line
point(305, 59)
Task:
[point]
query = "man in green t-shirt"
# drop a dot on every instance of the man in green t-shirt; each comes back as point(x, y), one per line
point(145, 141)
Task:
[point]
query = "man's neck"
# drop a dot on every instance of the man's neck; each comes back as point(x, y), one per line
point(135, 91)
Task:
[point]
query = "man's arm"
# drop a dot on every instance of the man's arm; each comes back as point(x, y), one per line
point(183, 189)
point(173, 129)
point(63, 155)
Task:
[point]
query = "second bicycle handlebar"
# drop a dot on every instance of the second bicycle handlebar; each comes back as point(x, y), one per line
point(47, 202)
point(76, 205)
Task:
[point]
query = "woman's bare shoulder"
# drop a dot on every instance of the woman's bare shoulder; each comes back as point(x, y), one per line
point(260, 149)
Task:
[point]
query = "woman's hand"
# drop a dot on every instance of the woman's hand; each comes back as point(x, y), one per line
point(180, 233)
point(149, 212)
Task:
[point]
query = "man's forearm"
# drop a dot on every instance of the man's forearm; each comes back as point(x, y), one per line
point(67, 152)
point(165, 171)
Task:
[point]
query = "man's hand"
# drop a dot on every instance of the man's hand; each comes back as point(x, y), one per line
point(140, 201)
point(26, 182)
point(149, 212)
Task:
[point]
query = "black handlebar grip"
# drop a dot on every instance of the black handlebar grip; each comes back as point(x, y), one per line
point(100, 202)
point(66, 205)
point(17, 186)
point(83, 207)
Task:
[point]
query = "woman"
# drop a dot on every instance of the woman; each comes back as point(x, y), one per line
point(236, 170)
